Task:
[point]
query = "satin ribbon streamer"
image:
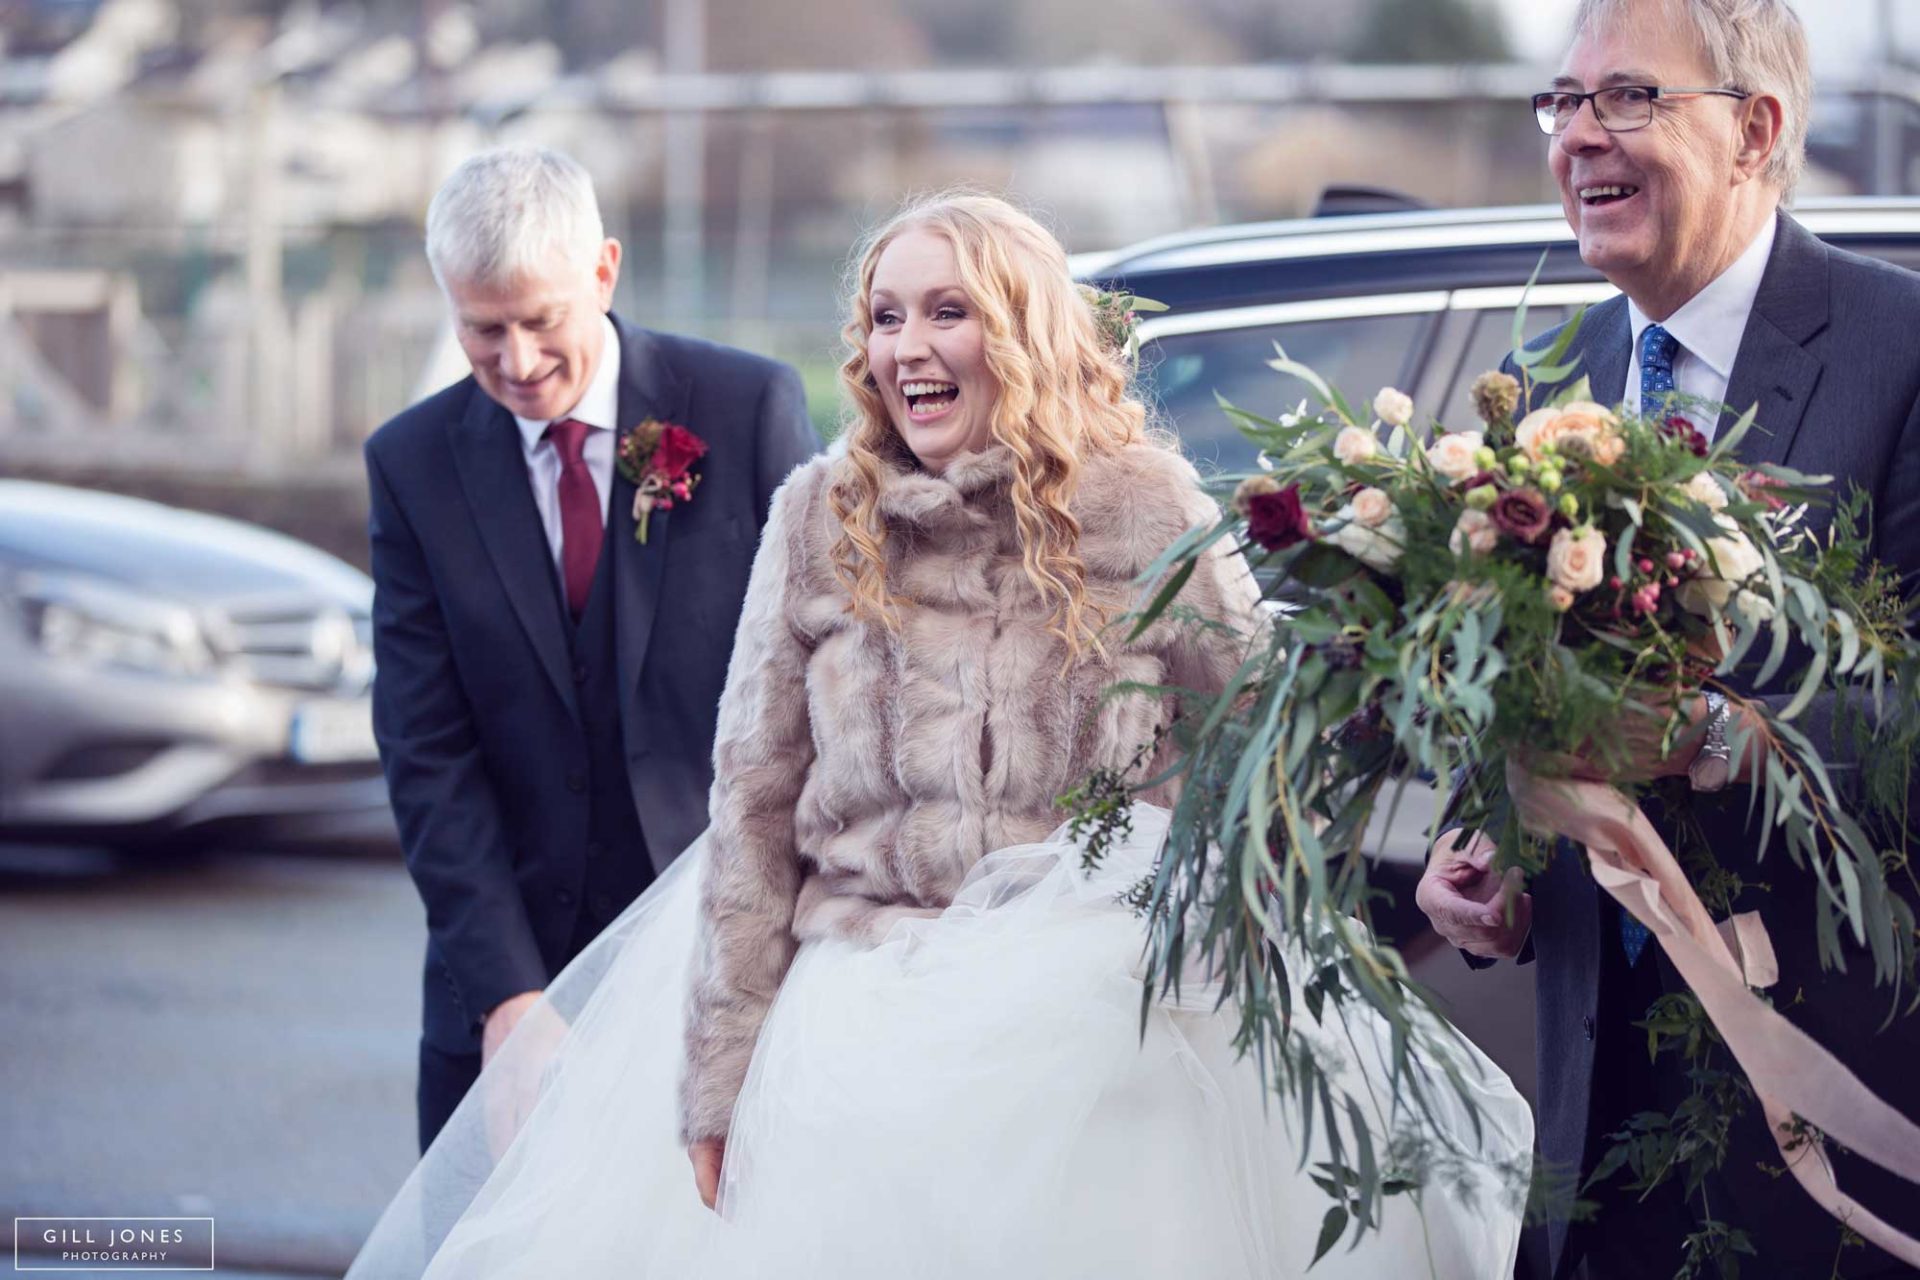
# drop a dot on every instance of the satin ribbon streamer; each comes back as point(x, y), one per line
point(1789, 1071)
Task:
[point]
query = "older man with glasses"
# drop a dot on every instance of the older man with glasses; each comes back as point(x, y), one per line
point(1678, 132)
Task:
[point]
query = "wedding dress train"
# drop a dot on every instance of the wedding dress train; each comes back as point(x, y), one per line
point(973, 1097)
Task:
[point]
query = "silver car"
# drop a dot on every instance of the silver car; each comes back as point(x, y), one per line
point(164, 674)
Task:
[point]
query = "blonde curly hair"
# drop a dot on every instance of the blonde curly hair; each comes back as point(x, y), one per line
point(1063, 396)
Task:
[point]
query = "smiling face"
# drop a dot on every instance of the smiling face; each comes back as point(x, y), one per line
point(926, 351)
point(535, 342)
point(1663, 210)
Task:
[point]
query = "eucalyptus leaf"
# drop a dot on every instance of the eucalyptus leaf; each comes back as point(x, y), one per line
point(1332, 1227)
point(1519, 343)
point(1726, 441)
point(1580, 390)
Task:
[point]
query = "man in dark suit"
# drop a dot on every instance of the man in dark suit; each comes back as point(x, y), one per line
point(1674, 143)
point(547, 684)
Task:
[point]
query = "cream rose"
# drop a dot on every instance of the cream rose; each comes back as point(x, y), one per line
point(1576, 562)
point(1754, 605)
point(1560, 598)
point(1704, 490)
point(1377, 547)
point(1731, 560)
point(1393, 407)
point(1452, 454)
point(1372, 507)
point(1474, 530)
point(1355, 444)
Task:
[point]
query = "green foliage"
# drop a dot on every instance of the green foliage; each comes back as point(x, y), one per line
point(1407, 649)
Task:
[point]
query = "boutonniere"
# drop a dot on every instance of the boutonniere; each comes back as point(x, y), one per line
point(658, 457)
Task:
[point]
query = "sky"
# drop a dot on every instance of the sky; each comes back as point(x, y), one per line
point(1843, 33)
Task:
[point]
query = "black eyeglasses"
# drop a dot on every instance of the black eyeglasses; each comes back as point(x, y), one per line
point(1621, 109)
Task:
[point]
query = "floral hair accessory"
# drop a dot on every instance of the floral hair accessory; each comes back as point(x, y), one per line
point(1116, 313)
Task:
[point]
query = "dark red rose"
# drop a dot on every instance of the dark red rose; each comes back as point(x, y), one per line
point(1277, 520)
point(1679, 428)
point(678, 449)
point(1522, 514)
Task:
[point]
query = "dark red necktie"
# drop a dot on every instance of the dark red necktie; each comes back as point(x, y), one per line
point(580, 527)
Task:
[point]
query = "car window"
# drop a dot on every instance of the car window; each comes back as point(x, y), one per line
point(1490, 342)
point(1181, 373)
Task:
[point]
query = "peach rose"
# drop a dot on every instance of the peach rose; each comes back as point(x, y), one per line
point(1588, 417)
point(1608, 448)
point(1576, 563)
point(1527, 434)
point(1475, 530)
point(1580, 430)
point(1560, 598)
point(1393, 407)
point(1355, 444)
point(1452, 454)
point(1372, 507)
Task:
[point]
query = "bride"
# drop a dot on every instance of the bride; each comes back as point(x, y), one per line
point(889, 1018)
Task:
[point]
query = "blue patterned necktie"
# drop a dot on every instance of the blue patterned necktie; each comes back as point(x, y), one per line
point(1634, 937)
point(1657, 350)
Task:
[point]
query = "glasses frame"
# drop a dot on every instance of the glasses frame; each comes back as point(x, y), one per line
point(1655, 93)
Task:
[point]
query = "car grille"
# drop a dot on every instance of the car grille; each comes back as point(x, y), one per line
point(325, 649)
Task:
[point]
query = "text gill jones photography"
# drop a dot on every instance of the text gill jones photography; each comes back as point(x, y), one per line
point(960, 639)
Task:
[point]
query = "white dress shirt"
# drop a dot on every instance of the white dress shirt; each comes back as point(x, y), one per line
point(599, 408)
point(1708, 328)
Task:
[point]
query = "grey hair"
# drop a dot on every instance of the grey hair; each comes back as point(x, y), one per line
point(510, 212)
point(1757, 46)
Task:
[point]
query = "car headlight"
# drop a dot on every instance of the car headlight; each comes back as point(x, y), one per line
point(100, 623)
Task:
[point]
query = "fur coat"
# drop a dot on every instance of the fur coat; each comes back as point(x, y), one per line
point(859, 774)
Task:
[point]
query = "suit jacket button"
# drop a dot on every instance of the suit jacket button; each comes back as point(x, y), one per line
point(563, 896)
point(1586, 1025)
point(576, 782)
point(603, 903)
point(595, 849)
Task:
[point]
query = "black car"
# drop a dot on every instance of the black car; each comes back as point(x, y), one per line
point(1421, 300)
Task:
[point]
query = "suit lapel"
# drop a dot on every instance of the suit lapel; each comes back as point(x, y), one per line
point(1774, 370)
point(1602, 345)
point(649, 388)
point(1776, 374)
point(493, 471)
point(1607, 350)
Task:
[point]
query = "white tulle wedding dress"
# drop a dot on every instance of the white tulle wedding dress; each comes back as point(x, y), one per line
point(972, 1098)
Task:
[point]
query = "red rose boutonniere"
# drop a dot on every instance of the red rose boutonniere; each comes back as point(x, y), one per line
point(658, 457)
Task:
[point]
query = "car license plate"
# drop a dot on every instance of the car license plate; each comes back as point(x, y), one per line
point(332, 732)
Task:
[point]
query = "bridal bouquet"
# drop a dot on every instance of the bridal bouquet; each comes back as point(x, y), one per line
point(1532, 594)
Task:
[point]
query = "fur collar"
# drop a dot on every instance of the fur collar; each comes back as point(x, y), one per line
point(1131, 503)
point(909, 494)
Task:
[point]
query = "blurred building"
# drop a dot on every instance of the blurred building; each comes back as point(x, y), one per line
point(210, 209)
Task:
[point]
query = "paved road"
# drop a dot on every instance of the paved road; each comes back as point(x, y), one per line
point(232, 1037)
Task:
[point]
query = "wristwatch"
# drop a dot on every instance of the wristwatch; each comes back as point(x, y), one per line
point(1712, 768)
